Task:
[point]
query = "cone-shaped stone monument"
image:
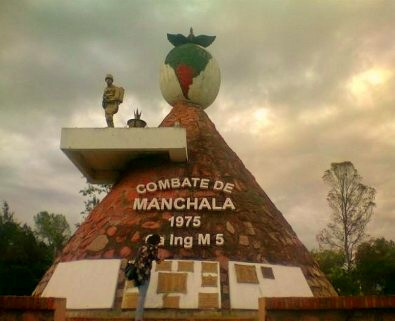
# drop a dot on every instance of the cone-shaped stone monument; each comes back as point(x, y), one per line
point(225, 242)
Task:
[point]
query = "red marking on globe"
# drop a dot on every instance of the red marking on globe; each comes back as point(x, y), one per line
point(185, 77)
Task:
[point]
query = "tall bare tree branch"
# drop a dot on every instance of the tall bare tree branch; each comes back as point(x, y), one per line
point(352, 206)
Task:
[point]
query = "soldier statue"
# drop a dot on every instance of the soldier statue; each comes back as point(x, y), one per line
point(112, 97)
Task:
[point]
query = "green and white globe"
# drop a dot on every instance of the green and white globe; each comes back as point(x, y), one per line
point(190, 73)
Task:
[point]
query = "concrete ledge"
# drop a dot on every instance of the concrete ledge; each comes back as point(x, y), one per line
point(101, 154)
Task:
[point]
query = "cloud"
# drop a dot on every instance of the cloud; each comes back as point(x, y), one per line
point(305, 83)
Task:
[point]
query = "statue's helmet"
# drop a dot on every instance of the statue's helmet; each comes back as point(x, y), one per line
point(109, 76)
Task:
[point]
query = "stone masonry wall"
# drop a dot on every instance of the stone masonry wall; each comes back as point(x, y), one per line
point(255, 231)
point(27, 308)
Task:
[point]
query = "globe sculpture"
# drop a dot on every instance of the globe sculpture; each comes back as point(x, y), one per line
point(190, 73)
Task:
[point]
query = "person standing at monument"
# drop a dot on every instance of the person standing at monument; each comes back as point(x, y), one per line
point(112, 97)
point(143, 262)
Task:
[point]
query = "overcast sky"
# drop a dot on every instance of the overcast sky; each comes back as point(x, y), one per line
point(304, 84)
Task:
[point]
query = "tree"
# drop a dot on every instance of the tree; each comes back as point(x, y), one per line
point(352, 207)
point(373, 272)
point(53, 229)
point(375, 267)
point(6, 214)
point(328, 260)
point(332, 263)
point(23, 259)
point(92, 194)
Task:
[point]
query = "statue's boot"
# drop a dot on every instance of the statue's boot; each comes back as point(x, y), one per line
point(110, 121)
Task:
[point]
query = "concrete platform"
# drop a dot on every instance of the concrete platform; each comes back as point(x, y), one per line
point(101, 154)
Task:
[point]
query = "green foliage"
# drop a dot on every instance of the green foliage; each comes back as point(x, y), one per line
point(344, 281)
point(93, 193)
point(375, 267)
point(23, 259)
point(53, 229)
point(352, 207)
point(6, 214)
point(332, 263)
point(328, 260)
point(373, 272)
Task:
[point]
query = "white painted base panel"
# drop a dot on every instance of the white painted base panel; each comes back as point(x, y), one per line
point(86, 284)
point(288, 281)
point(91, 284)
